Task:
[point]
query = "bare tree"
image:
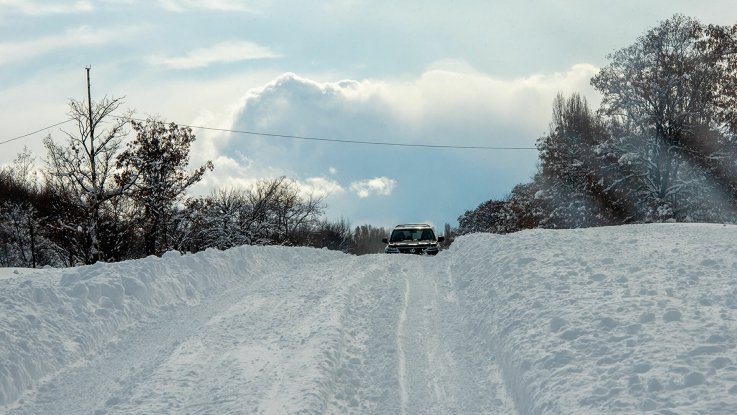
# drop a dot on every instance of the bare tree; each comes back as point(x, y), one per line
point(335, 236)
point(367, 240)
point(292, 211)
point(83, 167)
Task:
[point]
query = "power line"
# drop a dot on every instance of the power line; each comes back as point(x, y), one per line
point(37, 131)
point(335, 140)
point(297, 137)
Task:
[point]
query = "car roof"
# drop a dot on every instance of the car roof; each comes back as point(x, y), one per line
point(413, 225)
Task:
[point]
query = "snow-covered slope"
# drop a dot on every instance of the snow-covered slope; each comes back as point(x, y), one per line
point(617, 319)
point(626, 319)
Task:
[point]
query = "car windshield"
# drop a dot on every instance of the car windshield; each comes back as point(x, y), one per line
point(400, 235)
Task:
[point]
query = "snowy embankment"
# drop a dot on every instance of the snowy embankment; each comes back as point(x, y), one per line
point(621, 319)
point(53, 318)
point(614, 319)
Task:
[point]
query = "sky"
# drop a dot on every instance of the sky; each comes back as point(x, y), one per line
point(473, 73)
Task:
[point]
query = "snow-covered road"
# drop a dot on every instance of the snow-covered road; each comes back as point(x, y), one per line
point(379, 334)
point(628, 319)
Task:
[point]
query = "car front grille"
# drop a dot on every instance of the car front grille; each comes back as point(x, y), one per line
point(409, 250)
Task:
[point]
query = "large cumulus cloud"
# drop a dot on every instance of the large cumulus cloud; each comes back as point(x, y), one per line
point(450, 103)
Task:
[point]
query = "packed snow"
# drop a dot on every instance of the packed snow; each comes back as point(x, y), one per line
point(620, 319)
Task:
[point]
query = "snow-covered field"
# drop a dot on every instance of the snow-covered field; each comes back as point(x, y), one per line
point(626, 319)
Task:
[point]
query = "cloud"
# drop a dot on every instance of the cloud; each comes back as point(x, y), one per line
point(233, 51)
point(465, 96)
point(450, 103)
point(82, 36)
point(220, 5)
point(333, 170)
point(439, 107)
point(320, 187)
point(34, 8)
point(378, 186)
point(243, 173)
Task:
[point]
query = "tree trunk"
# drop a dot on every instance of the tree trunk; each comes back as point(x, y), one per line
point(33, 240)
point(150, 237)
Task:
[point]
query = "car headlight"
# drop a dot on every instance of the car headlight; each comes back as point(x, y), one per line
point(391, 250)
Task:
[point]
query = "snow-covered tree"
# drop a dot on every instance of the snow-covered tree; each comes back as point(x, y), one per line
point(571, 178)
point(665, 92)
point(229, 220)
point(24, 230)
point(519, 210)
point(154, 172)
point(293, 211)
point(271, 212)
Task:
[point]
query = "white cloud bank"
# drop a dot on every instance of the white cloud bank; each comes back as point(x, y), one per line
point(441, 106)
point(451, 103)
point(378, 186)
point(233, 51)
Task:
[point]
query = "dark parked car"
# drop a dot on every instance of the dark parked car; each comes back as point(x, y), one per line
point(412, 239)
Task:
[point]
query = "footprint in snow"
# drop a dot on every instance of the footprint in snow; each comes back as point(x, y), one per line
point(608, 323)
point(572, 334)
point(642, 367)
point(112, 401)
point(672, 315)
point(720, 362)
point(597, 277)
point(647, 318)
point(524, 261)
point(715, 338)
point(556, 323)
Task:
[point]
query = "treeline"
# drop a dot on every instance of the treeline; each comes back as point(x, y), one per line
point(41, 226)
point(95, 199)
point(661, 148)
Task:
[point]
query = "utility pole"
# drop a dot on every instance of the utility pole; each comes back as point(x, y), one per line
point(92, 129)
point(93, 172)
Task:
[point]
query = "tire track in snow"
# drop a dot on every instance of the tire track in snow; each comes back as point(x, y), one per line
point(449, 369)
point(409, 348)
point(374, 334)
point(403, 395)
point(366, 376)
point(344, 312)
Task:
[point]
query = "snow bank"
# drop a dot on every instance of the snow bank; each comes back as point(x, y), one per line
point(621, 319)
point(50, 319)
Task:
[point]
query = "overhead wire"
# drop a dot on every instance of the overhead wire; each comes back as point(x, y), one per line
point(297, 137)
point(335, 140)
point(37, 131)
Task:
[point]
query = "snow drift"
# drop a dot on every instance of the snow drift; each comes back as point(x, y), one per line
point(620, 319)
point(615, 319)
point(56, 317)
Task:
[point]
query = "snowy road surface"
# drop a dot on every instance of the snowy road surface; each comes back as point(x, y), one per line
point(628, 319)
